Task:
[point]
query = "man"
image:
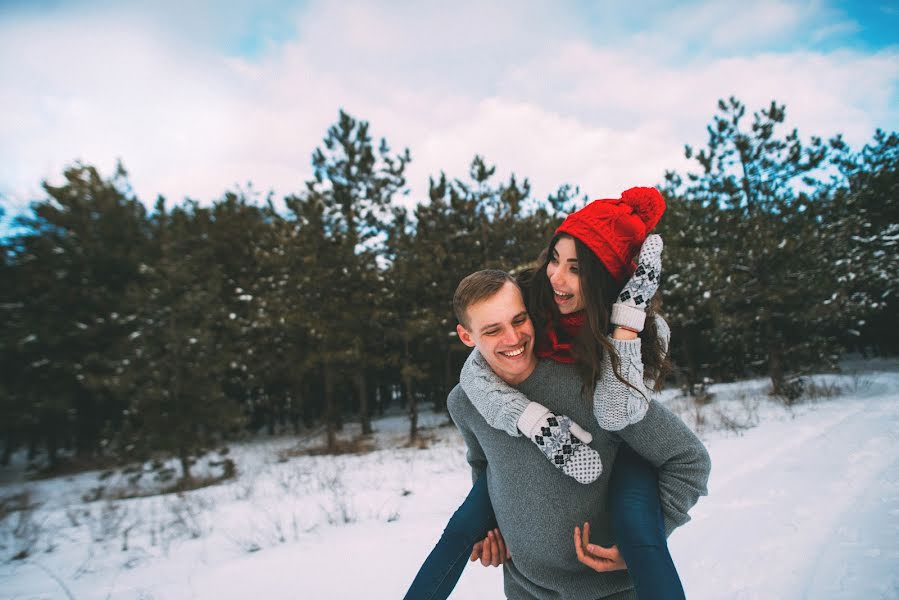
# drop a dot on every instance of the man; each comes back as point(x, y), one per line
point(535, 508)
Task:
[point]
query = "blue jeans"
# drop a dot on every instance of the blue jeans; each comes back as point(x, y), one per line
point(469, 524)
point(636, 518)
point(636, 514)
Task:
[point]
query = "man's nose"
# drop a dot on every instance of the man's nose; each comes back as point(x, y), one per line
point(511, 337)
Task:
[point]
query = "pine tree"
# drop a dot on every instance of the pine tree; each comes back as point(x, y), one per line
point(688, 268)
point(768, 277)
point(863, 228)
point(173, 373)
point(355, 183)
point(72, 265)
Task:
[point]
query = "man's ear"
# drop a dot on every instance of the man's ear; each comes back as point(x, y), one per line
point(465, 336)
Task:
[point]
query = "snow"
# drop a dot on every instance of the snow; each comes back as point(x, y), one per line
point(803, 503)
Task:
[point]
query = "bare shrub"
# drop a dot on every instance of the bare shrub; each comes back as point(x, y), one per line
point(242, 490)
point(20, 528)
point(699, 420)
point(339, 509)
point(292, 481)
point(699, 392)
point(738, 417)
point(815, 391)
point(244, 542)
point(791, 390)
point(177, 518)
point(185, 511)
point(273, 526)
point(108, 522)
point(359, 445)
point(860, 383)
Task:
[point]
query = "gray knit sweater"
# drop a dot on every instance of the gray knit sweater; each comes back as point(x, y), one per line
point(616, 407)
point(537, 509)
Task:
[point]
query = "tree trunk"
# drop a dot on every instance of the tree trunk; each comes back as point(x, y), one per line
point(296, 405)
point(362, 389)
point(329, 407)
point(413, 409)
point(690, 357)
point(409, 392)
point(775, 359)
point(52, 449)
point(185, 466)
point(448, 379)
point(9, 444)
point(270, 418)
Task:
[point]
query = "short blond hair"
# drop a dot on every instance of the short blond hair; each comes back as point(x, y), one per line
point(476, 287)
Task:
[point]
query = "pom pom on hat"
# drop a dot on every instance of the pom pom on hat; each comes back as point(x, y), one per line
point(647, 203)
point(614, 229)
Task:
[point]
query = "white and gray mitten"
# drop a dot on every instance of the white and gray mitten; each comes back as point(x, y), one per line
point(630, 310)
point(562, 441)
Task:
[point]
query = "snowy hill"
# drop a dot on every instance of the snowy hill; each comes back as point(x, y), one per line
point(803, 503)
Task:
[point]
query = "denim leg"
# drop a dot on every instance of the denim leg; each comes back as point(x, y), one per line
point(640, 529)
point(469, 524)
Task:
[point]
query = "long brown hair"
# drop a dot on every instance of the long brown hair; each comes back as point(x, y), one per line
point(600, 291)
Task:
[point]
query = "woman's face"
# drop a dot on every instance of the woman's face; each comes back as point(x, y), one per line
point(563, 274)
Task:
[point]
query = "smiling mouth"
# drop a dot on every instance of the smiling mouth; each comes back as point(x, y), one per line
point(513, 353)
point(562, 295)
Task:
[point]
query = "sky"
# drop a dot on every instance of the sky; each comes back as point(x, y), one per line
point(200, 97)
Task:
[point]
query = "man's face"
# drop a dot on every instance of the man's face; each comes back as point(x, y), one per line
point(502, 330)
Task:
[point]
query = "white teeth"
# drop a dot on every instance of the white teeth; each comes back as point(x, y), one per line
point(512, 353)
point(562, 295)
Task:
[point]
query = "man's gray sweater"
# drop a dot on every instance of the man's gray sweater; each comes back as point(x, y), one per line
point(537, 509)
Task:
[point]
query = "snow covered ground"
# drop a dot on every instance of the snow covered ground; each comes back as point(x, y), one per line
point(803, 503)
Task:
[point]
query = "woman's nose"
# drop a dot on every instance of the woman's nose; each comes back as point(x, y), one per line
point(556, 277)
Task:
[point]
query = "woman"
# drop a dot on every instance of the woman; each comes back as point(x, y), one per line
point(572, 300)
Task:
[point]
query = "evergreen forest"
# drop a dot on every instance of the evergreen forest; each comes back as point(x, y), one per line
point(130, 334)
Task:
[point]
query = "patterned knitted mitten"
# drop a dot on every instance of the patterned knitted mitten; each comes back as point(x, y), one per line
point(562, 441)
point(630, 310)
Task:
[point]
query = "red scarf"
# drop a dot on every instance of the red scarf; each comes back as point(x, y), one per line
point(556, 349)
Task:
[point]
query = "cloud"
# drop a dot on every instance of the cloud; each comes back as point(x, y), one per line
point(835, 30)
point(729, 24)
point(537, 90)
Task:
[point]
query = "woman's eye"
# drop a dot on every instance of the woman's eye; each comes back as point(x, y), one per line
point(574, 270)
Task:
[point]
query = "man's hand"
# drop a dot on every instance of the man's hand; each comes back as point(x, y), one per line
point(596, 557)
point(491, 550)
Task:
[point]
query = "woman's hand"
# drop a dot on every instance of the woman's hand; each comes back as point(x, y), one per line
point(491, 550)
point(629, 311)
point(596, 557)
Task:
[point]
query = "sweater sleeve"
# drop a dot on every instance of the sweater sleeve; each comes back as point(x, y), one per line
point(499, 403)
point(615, 404)
point(653, 431)
point(663, 439)
point(474, 453)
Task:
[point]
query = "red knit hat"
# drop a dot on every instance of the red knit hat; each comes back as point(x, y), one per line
point(615, 229)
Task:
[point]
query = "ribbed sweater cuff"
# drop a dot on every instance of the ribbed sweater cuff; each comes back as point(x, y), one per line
point(628, 347)
point(628, 316)
point(530, 418)
point(511, 414)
